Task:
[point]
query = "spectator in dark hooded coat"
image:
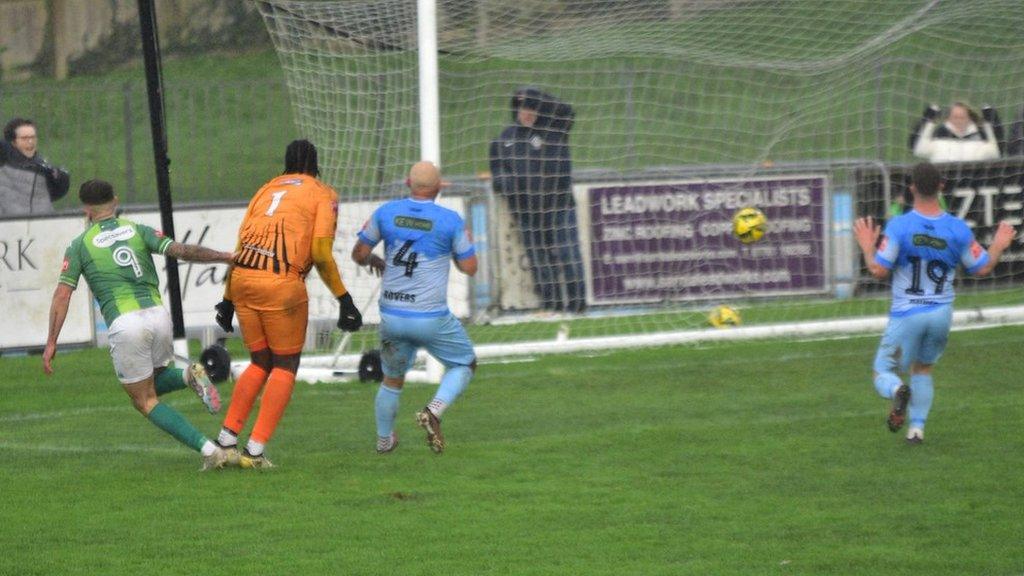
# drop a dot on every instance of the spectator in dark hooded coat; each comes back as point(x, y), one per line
point(532, 169)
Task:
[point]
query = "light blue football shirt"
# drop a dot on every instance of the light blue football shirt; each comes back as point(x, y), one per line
point(923, 252)
point(420, 238)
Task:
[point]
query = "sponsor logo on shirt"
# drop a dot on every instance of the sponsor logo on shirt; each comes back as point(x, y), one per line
point(929, 241)
point(108, 238)
point(259, 250)
point(414, 223)
point(976, 250)
point(64, 267)
point(883, 244)
point(399, 296)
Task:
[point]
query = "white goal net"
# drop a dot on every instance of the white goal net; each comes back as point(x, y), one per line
point(599, 149)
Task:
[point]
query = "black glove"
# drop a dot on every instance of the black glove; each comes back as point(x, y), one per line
point(225, 314)
point(349, 318)
point(990, 115)
point(931, 112)
point(57, 183)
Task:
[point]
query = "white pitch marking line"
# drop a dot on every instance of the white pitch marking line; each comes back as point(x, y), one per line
point(63, 413)
point(125, 408)
point(89, 449)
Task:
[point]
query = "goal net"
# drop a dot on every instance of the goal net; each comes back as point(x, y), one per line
point(674, 115)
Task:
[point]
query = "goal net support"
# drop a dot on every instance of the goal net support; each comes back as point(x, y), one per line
point(674, 114)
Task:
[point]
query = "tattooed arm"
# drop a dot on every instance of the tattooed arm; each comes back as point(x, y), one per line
point(196, 253)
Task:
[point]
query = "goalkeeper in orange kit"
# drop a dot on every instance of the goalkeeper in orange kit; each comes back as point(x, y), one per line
point(288, 228)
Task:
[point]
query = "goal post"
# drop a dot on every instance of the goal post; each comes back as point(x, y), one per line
point(429, 107)
point(683, 111)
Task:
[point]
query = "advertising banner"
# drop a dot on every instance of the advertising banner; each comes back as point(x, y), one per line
point(202, 284)
point(983, 194)
point(32, 251)
point(655, 241)
point(31, 254)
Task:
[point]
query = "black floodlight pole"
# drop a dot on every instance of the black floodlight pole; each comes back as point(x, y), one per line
point(155, 92)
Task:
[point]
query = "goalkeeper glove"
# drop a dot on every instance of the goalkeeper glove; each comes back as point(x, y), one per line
point(225, 314)
point(349, 318)
point(931, 112)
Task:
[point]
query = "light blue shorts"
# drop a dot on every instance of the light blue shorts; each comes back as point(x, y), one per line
point(919, 338)
point(443, 337)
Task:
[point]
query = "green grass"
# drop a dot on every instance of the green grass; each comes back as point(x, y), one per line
point(676, 316)
point(740, 458)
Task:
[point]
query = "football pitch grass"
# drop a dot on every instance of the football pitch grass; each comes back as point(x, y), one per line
point(734, 458)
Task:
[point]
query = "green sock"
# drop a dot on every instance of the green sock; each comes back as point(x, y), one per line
point(169, 420)
point(169, 380)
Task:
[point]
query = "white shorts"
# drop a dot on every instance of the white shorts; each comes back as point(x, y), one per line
point(140, 341)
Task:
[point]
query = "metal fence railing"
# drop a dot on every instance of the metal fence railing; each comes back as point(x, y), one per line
point(225, 138)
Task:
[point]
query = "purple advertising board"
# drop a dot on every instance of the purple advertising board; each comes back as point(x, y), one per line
point(673, 240)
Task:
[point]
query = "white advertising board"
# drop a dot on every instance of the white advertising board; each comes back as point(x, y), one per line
point(31, 254)
point(202, 285)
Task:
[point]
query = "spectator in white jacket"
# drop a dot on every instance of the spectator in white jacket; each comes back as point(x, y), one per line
point(964, 136)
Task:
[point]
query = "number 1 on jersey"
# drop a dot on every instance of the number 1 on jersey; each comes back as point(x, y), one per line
point(275, 202)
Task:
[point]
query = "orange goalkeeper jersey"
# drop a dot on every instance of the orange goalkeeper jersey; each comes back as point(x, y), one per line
point(276, 240)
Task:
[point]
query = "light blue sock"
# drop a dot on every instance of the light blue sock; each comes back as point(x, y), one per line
point(453, 383)
point(922, 390)
point(386, 406)
point(886, 383)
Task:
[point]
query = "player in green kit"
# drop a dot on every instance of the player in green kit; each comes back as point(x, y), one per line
point(115, 256)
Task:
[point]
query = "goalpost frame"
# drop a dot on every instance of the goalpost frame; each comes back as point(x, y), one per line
point(429, 105)
point(429, 132)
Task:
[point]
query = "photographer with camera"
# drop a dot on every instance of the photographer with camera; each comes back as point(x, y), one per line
point(963, 136)
point(28, 184)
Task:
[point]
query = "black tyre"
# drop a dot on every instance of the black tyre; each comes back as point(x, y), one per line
point(217, 362)
point(369, 367)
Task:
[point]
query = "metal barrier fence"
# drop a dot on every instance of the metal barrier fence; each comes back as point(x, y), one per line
point(225, 138)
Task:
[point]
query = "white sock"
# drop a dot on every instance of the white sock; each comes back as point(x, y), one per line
point(437, 407)
point(208, 448)
point(226, 438)
point(254, 448)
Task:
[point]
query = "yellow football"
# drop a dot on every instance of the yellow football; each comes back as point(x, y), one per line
point(749, 224)
point(723, 316)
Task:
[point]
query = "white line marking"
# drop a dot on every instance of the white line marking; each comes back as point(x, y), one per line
point(125, 408)
point(63, 413)
point(89, 449)
point(321, 388)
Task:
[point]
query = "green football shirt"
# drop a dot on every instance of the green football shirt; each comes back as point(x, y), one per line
point(115, 256)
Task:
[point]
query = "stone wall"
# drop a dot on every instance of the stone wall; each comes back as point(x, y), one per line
point(57, 36)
